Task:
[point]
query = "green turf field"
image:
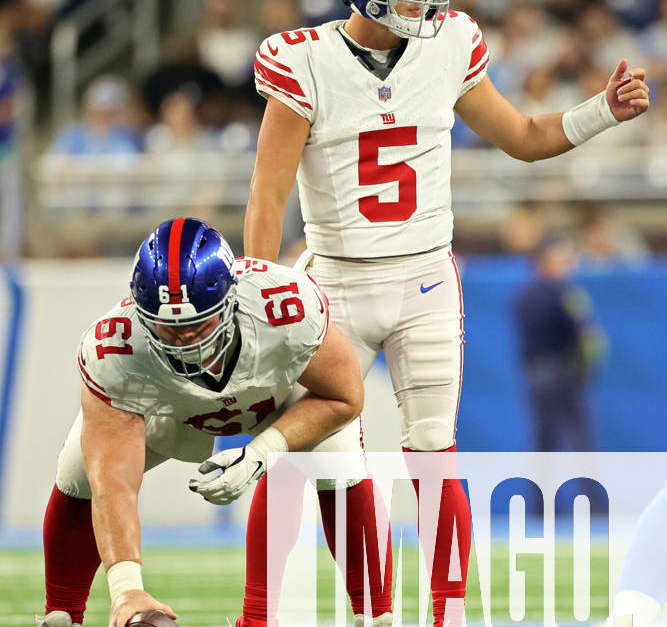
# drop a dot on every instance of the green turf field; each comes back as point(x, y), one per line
point(204, 586)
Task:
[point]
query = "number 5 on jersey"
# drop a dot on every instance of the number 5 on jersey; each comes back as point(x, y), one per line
point(372, 173)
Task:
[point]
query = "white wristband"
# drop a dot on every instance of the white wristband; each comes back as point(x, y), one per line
point(270, 440)
point(588, 119)
point(124, 576)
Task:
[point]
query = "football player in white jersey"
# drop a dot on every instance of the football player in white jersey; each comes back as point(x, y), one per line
point(360, 112)
point(203, 347)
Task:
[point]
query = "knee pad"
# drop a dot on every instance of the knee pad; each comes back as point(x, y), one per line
point(348, 440)
point(71, 477)
point(429, 418)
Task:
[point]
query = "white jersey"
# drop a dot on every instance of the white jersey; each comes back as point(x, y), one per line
point(282, 317)
point(374, 178)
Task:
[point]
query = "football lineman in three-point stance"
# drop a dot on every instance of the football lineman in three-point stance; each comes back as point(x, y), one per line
point(204, 347)
point(360, 112)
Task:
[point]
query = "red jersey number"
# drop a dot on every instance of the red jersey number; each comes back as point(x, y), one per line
point(294, 37)
point(291, 308)
point(372, 173)
point(108, 328)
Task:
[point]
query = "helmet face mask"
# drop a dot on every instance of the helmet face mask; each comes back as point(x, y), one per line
point(182, 276)
point(192, 360)
point(424, 25)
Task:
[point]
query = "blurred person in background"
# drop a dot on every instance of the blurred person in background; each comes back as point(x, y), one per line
point(278, 16)
point(523, 229)
point(317, 11)
point(225, 44)
point(11, 203)
point(104, 127)
point(560, 344)
point(654, 43)
point(605, 35)
point(604, 240)
point(178, 130)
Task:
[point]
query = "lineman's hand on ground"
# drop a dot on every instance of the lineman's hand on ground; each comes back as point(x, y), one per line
point(132, 602)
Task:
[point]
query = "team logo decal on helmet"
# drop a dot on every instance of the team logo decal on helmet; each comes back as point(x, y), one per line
point(417, 18)
point(182, 275)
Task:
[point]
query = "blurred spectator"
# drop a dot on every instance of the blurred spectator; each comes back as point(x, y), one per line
point(277, 16)
point(559, 346)
point(604, 240)
point(523, 229)
point(11, 205)
point(317, 12)
point(104, 129)
point(224, 44)
point(654, 41)
point(543, 93)
point(179, 130)
point(608, 39)
point(526, 42)
point(658, 136)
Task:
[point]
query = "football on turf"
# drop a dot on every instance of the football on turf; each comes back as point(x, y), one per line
point(153, 618)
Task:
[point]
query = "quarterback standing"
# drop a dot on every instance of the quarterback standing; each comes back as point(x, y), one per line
point(205, 346)
point(360, 112)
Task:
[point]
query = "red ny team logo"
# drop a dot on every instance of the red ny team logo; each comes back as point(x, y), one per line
point(388, 118)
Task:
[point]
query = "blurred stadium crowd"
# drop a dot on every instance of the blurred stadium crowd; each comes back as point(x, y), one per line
point(173, 131)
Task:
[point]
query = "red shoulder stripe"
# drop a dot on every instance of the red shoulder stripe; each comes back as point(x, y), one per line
point(86, 376)
point(99, 395)
point(452, 13)
point(476, 36)
point(275, 63)
point(284, 82)
point(89, 382)
point(477, 54)
point(477, 71)
point(301, 102)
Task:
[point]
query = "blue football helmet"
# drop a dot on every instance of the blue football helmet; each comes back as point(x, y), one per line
point(182, 275)
point(427, 24)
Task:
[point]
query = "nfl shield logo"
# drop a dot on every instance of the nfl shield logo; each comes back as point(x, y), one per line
point(384, 93)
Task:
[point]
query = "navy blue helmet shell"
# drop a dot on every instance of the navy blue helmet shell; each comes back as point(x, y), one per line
point(183, 275)
point(184, 264)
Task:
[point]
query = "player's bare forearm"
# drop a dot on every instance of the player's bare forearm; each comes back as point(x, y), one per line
point(113, 444)
point(282, 138)
point(524, 137)
point(263, 228)
point(335, 397)
point(531, 138)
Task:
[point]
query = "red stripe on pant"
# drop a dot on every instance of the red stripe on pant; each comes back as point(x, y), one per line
point(454, 506)
point(70, 554)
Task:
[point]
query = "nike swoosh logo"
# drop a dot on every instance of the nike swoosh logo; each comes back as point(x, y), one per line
point(272, 50)
point(429, 288)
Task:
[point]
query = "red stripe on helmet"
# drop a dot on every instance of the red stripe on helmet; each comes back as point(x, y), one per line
point(173, 260)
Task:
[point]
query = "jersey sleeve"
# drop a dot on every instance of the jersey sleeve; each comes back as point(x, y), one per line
point(105, 361)
point(282, 71)
point(476, 62)
point(291, 314)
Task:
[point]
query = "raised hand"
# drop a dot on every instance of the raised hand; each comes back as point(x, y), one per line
point(627, 93)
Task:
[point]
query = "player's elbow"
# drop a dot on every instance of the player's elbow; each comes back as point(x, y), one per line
point(523, 144)
point(354, 401)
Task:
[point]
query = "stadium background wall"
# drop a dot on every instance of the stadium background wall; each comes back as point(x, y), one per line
point(46, 305)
